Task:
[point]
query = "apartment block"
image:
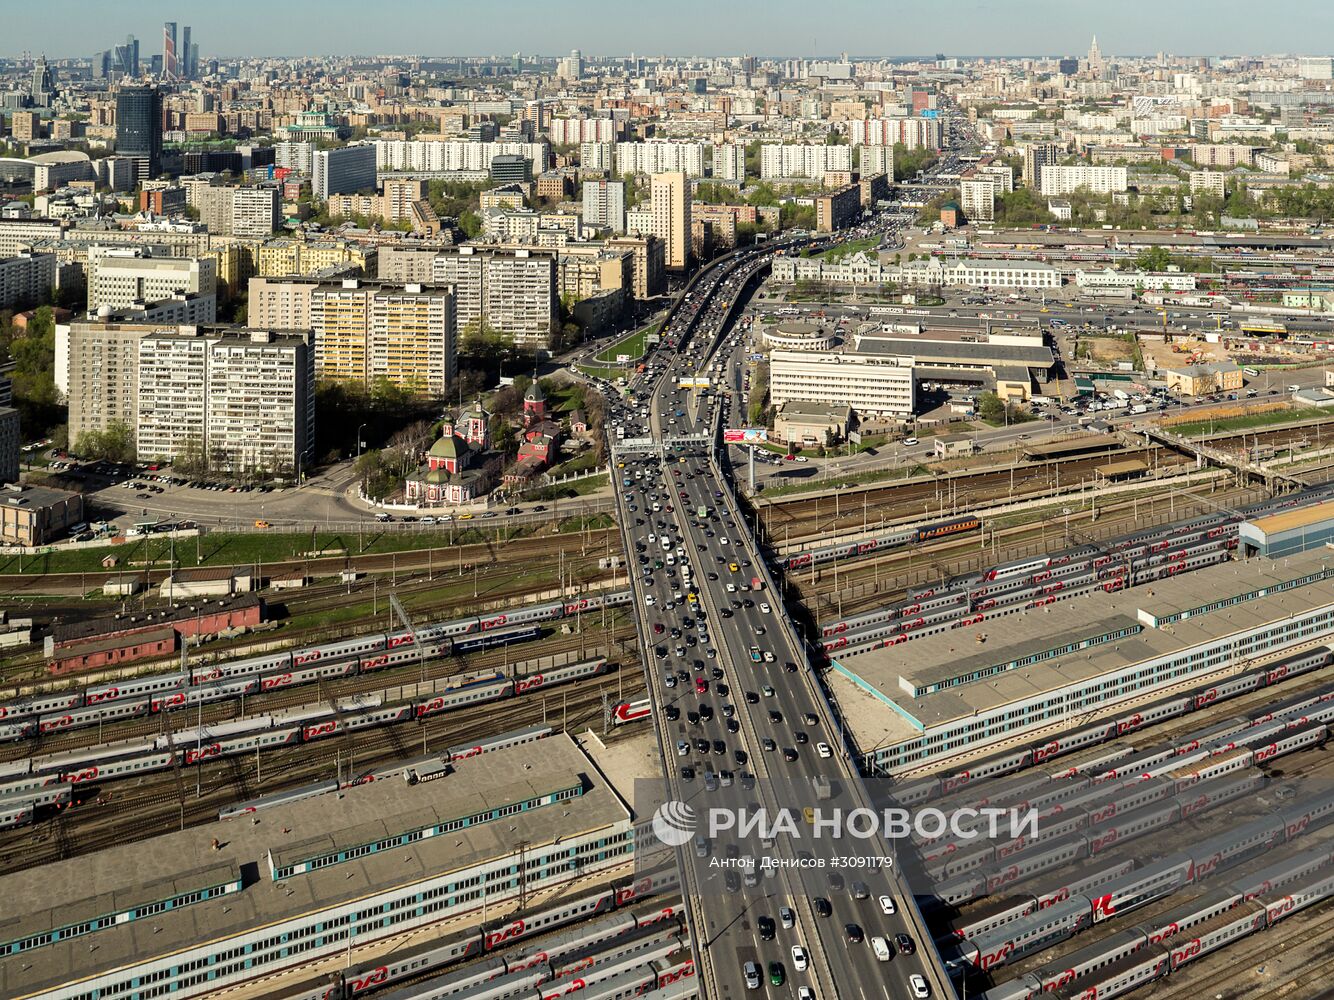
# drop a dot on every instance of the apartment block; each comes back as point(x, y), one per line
point(104, 375)
point(659, 157)
point(26, 279)
point(604, 204)
point(512, 291)
point(1040, 155)
point(669, 201)
point(412, 339)
point(650, 263)
point(838, 209)
point(237, 400)
point(977, 196)
point(1208, 181)
point(876, 159)
point(912, 133)
point(279, 257)
point(729, 161)
point(419, 156)
point(572, 131)
point(127, 276)
point(1062, 180)
point(805, 160)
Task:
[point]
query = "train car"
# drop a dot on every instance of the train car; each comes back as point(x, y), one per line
point(53, 796)
point(1281, 873)
point(519, 616)
point(1315, 810)
point(958, 890)
point(1211, 793)
point(134, 687)
point(351, 721)
point(1127, 826)
point(1090, 958)
point(1217, 932)
point(1022, 567)
point(344, 649)
point(1132, 768)
point(631, 711)
point(76, 718)
point(1215, 766)
point(1045, 856)
point(1224, 850)
point(1130, 891)
point(560, 675)
point(120, 767)
point(407, 654)
point(1080, 739)
point(986, 769)
point(991, 915)
point(213, 731)
point(490, 690)
point(1146, 965)
point(277, 799)
point(1163, 926)
point(203, 674)
point(1052, 825)
point(1029, 934)
point(487, 640)
point(1102, 804)
point(233, 687)
point(278, 680)
point(1206, 738)
point(42, 705)
point(20, 730)
point(527, 735)
point(1305, 893)
point(16, 814)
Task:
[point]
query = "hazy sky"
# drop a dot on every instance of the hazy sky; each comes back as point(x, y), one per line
point(676, 27)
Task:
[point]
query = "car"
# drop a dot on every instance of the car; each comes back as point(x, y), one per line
point(719, 747)
point(682, 748)
point(909, 442)
point(769, 745)
point(824, 750)
point(822, 906)
point(789, 754)
point(775, 716)
point(751, 971)
point(701, 744)
point(673, 713)
point(799, 959)
point(919, 988)
point(905, 944)
point(776, 975)
point(768, 691)
point(854, 933)
point(764, 607)
point(859, 890)
point(887, 905)
point(811, 718)
point(687, 773)
point(732, 881)
point(881, 948)
point(801, 738)
point(835, 881)
point(658, 628)
point(786, 917)
point(766, 927)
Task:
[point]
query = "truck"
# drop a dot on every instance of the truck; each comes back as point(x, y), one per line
point(1122, 395)
point(823, 788)
point(1139, 408)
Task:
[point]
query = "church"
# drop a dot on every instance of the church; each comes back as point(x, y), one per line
point(460, 467)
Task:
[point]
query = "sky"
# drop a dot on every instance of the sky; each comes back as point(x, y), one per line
point(62, 28)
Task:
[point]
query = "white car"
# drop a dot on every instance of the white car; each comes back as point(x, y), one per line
point(801, 458)
point(909, 442)
point(731, 588)
point(764, 607)
point(805, 993)
point(919, 988)
point(683, 750)
point(723, 541)
point(823, 750)
point(799, 959)
point(650, 600)
point(887, 905)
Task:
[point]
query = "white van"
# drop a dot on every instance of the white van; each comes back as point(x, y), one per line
point(881, 948)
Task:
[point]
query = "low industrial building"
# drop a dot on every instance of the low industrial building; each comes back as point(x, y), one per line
point(1078, 659)
point(36, 515)
point(1204, 379)
point(206, 909)
point(1281, 535)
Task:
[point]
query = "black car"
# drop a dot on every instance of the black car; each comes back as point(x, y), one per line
point(705, 712)
point(732, 880)
point(747, 780)
point(740, 756)
point(789, 754)
point(775, 717)
point(673, 713)
point(835, 882)
point(854, 932)
point(766, 926)
point(701, 745)
point(687, 773)
point(692, 717)
point(733, 726)
point(822, 906)
point(719, 747)
point(800, 737)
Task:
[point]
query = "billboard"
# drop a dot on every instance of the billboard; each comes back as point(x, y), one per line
point(745, 435)
point(693, 382)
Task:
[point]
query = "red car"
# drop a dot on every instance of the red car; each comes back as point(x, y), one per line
point(657, 628)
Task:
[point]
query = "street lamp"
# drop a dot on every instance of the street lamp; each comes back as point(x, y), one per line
point(360, 443)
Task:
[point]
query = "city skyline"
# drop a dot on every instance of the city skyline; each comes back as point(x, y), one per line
point(445, 28)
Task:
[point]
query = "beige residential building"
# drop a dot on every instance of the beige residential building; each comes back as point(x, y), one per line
point(340, 319)
point(669, 201)
point(650, 263)
point(104, 375)
point(281, 257)
point(412, 339)
point(512, 291)
point(1208, 181)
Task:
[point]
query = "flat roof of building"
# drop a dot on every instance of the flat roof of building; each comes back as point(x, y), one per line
point(1290, 520)
point(1074, 446)
point(1126, 468)
point(35, 496)
point(65, 886)
point(890, 674)
point(955, 350)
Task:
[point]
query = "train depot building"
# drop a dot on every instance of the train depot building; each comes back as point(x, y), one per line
point(193, 912)
point(1073, 662)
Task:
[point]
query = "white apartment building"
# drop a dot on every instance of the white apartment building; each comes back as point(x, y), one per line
point(569, 131)
point(420, 156)
point(875, 159)
point(913, 133)
point(597, 156)
point(804, 160)
point(1002, 176)
point(125, 276)
point(604, 204)
point(873, 385)
point(1208, 181)
point(977, 198)
point(1315, 67)
point(669, 201)
point(729, 161)
point(639, 220)
point(173, 368)
point(1058, 180)
point(343, 170)
point(295, 156)
point(658, 157)
point(512, 291)
point(249, 212)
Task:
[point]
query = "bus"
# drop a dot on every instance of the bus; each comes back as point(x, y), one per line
point(1252, 372)
point(702, 512)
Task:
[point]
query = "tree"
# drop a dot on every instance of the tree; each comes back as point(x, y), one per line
point(471, 224)
point(990, 407)
point(115, 444)
point(484, 343)
point(1153, 259)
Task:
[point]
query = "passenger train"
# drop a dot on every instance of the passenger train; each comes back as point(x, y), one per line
point(230, 679)
point(24, 781)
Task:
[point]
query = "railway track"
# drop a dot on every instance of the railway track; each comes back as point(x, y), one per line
point(120, 811)
point(501, 659)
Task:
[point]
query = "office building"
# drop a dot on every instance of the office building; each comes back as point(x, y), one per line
point(183, 60)
point(874, 385)
point(130, 276)
point(1056, 180)
point(35, 515)
point(26, 280)
point(139, 129)
point(1037, 156)
point(169, 69)
point(669, 201)
point(805, 160)
point(342, 170)
point(511, 168)
point(237, 400)
point(42, 86)
point(604, 204)
point(510, 291)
